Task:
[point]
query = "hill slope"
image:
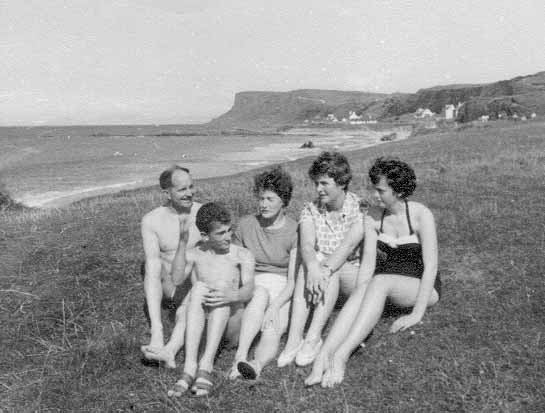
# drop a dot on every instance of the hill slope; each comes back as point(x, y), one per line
point(521, 95)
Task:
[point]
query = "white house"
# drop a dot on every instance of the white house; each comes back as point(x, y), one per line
point(450, 112)
point(352, 116)
point(423, 113)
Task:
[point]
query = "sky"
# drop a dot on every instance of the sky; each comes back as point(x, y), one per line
point(182, 61)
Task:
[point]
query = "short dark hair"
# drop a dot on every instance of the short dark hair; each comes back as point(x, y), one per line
point(165, 179)
point(209, 214)
point(333, 164)
point(276, 180)
point(399, 175)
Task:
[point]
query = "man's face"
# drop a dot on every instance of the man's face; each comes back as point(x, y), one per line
point(181, 191)
point(219, 237)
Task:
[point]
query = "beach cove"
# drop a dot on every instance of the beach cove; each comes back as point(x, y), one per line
point(49, 167)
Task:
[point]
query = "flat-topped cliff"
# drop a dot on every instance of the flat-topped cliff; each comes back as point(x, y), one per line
point(522, 95)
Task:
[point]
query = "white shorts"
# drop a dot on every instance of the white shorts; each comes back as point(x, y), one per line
point(272, 282)
point(347, 273)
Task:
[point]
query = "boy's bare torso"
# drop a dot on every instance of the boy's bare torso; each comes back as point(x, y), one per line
point(217, 271)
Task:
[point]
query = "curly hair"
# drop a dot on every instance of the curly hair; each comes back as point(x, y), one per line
point(333, 164)
point(276, 180)
point(165, 179)
point(399, 175)
point(209, 214)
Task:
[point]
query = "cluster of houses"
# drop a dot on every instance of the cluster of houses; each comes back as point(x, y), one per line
point(450, 113)
point(353, 119)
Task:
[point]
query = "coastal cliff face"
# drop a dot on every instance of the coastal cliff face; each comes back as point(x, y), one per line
point(522, 95)
point(257, 109)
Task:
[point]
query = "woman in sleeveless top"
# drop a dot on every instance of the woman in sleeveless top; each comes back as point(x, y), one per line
point(399, 264)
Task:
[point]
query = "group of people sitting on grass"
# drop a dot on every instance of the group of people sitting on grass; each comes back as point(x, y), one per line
point(273, 273)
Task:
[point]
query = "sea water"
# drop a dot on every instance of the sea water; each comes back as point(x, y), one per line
point(49, 166)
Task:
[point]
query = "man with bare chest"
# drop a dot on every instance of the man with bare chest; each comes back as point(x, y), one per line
point(164, 280)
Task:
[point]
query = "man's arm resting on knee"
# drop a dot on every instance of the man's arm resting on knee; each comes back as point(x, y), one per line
point(151, 251)
point(181, 266)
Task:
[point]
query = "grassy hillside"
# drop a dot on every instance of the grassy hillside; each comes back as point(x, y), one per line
point(71, 296)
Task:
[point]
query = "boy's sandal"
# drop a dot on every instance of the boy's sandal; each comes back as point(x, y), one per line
point(203, 383)
point(182, 385)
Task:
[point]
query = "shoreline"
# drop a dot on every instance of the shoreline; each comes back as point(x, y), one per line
point(230, 163)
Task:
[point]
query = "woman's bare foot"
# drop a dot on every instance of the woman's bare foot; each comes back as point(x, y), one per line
point(233, 372)
point(318, 369)
point(335, 373)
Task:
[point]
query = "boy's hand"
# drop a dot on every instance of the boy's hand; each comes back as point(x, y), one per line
point(185, 224)
point(218, 297)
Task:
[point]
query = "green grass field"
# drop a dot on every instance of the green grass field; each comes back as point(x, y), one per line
point(71, 296)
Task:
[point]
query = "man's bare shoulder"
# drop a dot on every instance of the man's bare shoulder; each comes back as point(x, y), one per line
point(155, 215)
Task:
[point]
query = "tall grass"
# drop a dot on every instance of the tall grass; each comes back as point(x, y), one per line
point(72, 296)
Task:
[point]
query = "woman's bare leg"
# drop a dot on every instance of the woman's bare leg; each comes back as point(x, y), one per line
point(400, 289)
point(322, 311)
point(268, 345)
point(337, 335)
point(299, 313)
point(252, 319)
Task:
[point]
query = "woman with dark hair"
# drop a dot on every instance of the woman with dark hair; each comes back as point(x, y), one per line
point(272, 238)
point(399, 264)
point(330, 259)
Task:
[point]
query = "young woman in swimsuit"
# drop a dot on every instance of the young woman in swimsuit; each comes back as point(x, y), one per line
point(399, 263)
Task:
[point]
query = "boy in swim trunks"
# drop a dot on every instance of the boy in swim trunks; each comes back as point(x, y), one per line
point(222, 276)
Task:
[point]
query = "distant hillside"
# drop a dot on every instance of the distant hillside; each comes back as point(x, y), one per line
point(522, 95)
point(256, 109)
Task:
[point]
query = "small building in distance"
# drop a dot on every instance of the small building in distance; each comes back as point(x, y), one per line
point(451, 111)
point(423, 113)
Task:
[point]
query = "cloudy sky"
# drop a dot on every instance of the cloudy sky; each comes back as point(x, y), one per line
point(175, 61)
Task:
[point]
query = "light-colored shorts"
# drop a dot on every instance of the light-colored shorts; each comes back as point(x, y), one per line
point(274, 284)
point(348, 275)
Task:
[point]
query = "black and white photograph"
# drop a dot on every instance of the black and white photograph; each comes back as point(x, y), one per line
point(289, 206)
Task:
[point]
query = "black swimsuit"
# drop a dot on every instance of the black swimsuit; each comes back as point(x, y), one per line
point(405, 259)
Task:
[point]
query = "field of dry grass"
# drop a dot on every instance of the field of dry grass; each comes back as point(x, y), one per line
point(71, 296)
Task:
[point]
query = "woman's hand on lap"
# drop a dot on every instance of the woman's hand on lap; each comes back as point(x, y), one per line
point(316, 283)
point(405, 322)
